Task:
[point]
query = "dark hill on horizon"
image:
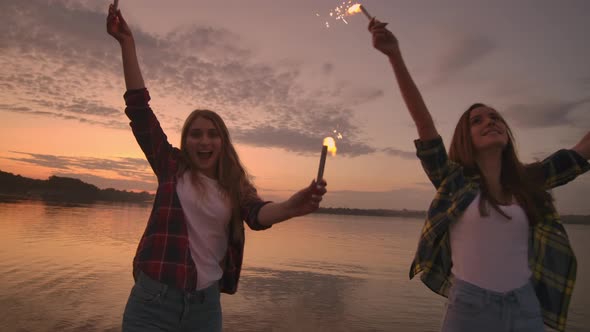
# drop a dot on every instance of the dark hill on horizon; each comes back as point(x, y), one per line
point(70, 190)
point(63, 189)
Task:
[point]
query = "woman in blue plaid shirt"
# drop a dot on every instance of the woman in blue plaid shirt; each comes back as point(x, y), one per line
point(492, 241)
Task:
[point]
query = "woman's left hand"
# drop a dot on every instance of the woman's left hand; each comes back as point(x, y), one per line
point(306, 200)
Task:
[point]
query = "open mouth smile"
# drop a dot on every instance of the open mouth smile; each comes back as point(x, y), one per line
point(497, 131)
point(204, 155)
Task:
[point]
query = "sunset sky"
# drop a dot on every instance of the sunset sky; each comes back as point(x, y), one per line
point(282, 80)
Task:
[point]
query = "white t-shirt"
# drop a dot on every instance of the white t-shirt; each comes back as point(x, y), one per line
point(207, 211)
point(491, 252)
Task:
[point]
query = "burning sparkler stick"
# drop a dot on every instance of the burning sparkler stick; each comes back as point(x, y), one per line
point(328, 145)
point(116, 5)
point(322, 163)
point(358, 8)
point(364, 10)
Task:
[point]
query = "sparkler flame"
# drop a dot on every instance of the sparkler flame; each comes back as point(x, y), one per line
point(354, 9)
point(358, 8)
point(331, 144)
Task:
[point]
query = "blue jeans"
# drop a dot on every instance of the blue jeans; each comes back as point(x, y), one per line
point(153, 306)
point(471, 308)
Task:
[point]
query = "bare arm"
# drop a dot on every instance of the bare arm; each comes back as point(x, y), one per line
point(118, 28)
point(387, 43)
point(583, 147)
point(303, 202)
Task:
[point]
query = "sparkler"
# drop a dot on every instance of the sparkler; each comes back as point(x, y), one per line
point(358, 8)
point(347, 8)
point(116, 5)
point(328, 145)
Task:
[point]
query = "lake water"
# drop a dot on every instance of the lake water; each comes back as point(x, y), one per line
point(68, 268)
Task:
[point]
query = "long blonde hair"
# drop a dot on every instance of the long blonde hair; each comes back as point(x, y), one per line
point(522, 181)
point(231, 174)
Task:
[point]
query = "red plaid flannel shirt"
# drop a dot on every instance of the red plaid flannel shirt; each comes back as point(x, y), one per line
point(163, 252)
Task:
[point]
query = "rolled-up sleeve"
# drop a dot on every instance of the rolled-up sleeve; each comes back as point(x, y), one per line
point(562, 167)
point(434, 159)
point(250, 206)
point(148, 131)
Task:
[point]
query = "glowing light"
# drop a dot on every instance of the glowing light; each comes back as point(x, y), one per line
point(331, 144)
point(358, 8)
point(354, 9)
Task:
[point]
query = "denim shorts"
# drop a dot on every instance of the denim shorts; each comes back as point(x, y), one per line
point(154, 306)
point(471, 308)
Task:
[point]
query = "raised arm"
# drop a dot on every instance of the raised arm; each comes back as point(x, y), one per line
point(565, 165)
point(386, 42)
point(146, 127)
point(118, 28)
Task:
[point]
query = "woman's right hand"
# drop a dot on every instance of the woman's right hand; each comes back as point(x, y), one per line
point(383, 39)
point(117, 27)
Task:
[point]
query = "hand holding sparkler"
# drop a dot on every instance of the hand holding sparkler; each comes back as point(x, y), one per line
point(383, 39)
point(118, 28)
point(116, 25)
point(306, 200)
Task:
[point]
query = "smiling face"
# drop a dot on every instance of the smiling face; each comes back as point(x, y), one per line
point(203, 145)
point(487, 128)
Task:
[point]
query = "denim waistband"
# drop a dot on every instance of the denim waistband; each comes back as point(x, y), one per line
point(515, 294)
point(172, 292)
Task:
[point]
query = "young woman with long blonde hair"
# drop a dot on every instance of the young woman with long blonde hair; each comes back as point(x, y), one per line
point(192, 247)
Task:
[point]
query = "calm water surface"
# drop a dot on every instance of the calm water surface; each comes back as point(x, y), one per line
point(68, 268)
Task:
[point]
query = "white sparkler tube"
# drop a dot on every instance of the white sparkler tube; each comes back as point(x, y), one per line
point(364, 10)
point(322, 163)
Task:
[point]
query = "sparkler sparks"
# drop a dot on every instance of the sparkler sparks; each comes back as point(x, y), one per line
point(347, 8)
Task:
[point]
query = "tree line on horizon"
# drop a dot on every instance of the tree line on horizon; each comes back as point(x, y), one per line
point(71, 190)
point(64, 189)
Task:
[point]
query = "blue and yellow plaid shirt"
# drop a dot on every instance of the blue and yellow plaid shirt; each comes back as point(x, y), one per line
point(551, 258)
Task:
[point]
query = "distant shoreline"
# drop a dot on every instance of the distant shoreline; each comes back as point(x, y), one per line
point(74, 191)
point(64, 190)
point(565, 219)
point(372, 212)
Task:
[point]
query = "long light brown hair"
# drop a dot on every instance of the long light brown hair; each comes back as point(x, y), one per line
point(231, 174)
point(524, 182)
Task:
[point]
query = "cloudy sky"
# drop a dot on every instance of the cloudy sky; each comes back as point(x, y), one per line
point(283, 75)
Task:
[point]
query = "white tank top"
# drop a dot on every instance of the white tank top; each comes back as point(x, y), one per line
point(491, 252)
point(207, 212)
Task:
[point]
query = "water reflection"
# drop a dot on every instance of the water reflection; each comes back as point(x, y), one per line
point(289, 300)
point(68, 268)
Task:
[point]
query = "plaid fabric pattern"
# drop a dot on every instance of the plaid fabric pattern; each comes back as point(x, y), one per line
point(551, 258)
point(163, 252)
